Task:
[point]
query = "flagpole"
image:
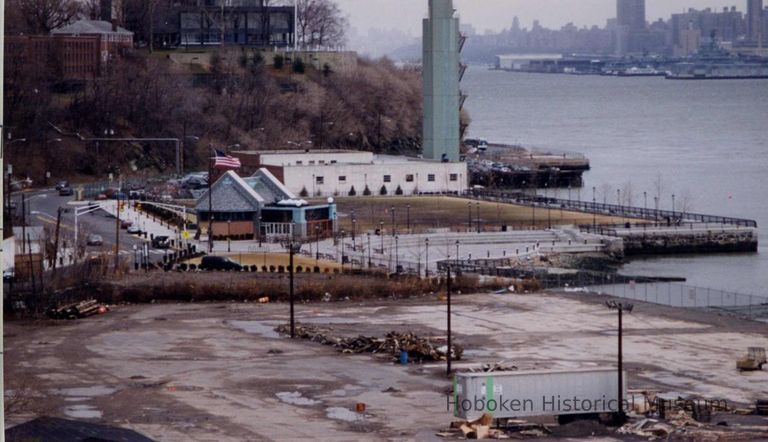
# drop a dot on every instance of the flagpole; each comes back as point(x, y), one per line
point(210, 201)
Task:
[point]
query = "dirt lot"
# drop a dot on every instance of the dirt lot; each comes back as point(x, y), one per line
point(204, 372)
point(444, 212)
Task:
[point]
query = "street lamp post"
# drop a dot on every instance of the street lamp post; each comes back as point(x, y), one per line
point(381, 234)
point(469, 216)
point(645, 203)
point(354, 225)
point(317, 245)
point(369, 250)
point(426, 263)
point(478, 216)
point(397, 254)
point(394, 229)
point(457, 252)
point(229, 235)
point(673, 203)
point(594, 207)
point(408, 216)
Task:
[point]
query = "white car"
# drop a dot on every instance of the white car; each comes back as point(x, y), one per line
point(134, 229)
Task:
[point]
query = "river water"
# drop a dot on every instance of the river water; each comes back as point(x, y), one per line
point(706, 142)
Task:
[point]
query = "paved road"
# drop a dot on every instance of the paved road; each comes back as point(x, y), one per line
point(42, 209)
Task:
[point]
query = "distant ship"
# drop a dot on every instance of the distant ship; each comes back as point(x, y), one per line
point(640, 72)
point(713, 63)
point(718, 71)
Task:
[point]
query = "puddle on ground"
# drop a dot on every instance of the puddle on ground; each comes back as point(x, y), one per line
point(295, 398)
point(256, 327)
point(82, 412)
point(96, 390)
point(342, 414)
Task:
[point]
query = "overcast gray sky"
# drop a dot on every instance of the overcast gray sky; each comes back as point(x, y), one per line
point(406, 15)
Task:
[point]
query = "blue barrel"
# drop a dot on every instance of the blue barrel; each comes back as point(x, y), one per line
point(404, 357)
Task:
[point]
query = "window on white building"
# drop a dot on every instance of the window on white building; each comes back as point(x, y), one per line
point(319, 180)
point(342, 179)
point(409, 178)
point(431, 178)
point(299, 163)
point(454, 177)
point(387, 178)
point(312, 162)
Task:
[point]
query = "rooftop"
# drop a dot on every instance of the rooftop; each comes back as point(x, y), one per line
point(90, 27)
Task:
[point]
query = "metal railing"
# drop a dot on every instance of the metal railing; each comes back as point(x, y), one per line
point(627, 211)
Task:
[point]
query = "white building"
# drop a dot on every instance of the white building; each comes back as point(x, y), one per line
point(350, 173)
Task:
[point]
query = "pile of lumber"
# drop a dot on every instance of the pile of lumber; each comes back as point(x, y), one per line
point(418, 348)
point(77, 310)
point(479, 428)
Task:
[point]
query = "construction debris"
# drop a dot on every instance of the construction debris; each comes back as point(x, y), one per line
point(419, 349)
point(491, 368)
point(479, 428)
point(77, 310)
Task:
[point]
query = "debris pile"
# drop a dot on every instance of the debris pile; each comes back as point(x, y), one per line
point(492, 368)
point(77, 310)
point(479, 428)
point(418, 348)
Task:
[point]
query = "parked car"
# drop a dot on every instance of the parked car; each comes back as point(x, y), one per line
point(134, 230)
point(161, 242)
point(66, 191)
point(124, 224)
point(219, 263)
point(62, 184)
point(95, 240)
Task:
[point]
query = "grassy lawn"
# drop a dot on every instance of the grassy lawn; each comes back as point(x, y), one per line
point(431, 212)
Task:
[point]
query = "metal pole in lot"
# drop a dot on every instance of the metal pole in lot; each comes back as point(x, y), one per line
point(290, 296)
point(449, 353)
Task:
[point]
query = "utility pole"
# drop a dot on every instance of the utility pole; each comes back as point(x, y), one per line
point(56, 240)
point(210, 201)
point(449, 355)
point(290, 294)
point(23, 221)
point(117, 235)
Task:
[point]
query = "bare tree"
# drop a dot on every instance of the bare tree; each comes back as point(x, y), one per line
point(321, 24)
point(42, 16)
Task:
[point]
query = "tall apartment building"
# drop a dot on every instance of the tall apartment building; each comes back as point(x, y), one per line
point(754, 21)
point(631, 13)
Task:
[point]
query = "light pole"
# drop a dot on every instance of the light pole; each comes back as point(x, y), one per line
point(594, 207)
point(426, 270)
point(381, 234)
point(449, 353)
point(354, 226)
point(673, 203)
point(397, 254)
point(457, 252)
point(369, 250)
point(478, 216)
point(469, 216)
point(394, 229)
point(317, 245)
point(229, 235)
point(645, 203)
point(408, 216)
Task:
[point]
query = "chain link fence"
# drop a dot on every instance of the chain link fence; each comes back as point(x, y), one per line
point(682, 295)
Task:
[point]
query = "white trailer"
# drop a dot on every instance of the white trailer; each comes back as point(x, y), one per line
point(537, 393)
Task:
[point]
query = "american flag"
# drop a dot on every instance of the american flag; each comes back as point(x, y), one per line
point(224, 161)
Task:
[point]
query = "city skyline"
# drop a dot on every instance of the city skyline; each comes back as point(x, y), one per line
point(496, 15)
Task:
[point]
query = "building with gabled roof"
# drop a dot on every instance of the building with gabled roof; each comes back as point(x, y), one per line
point(261, 207)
